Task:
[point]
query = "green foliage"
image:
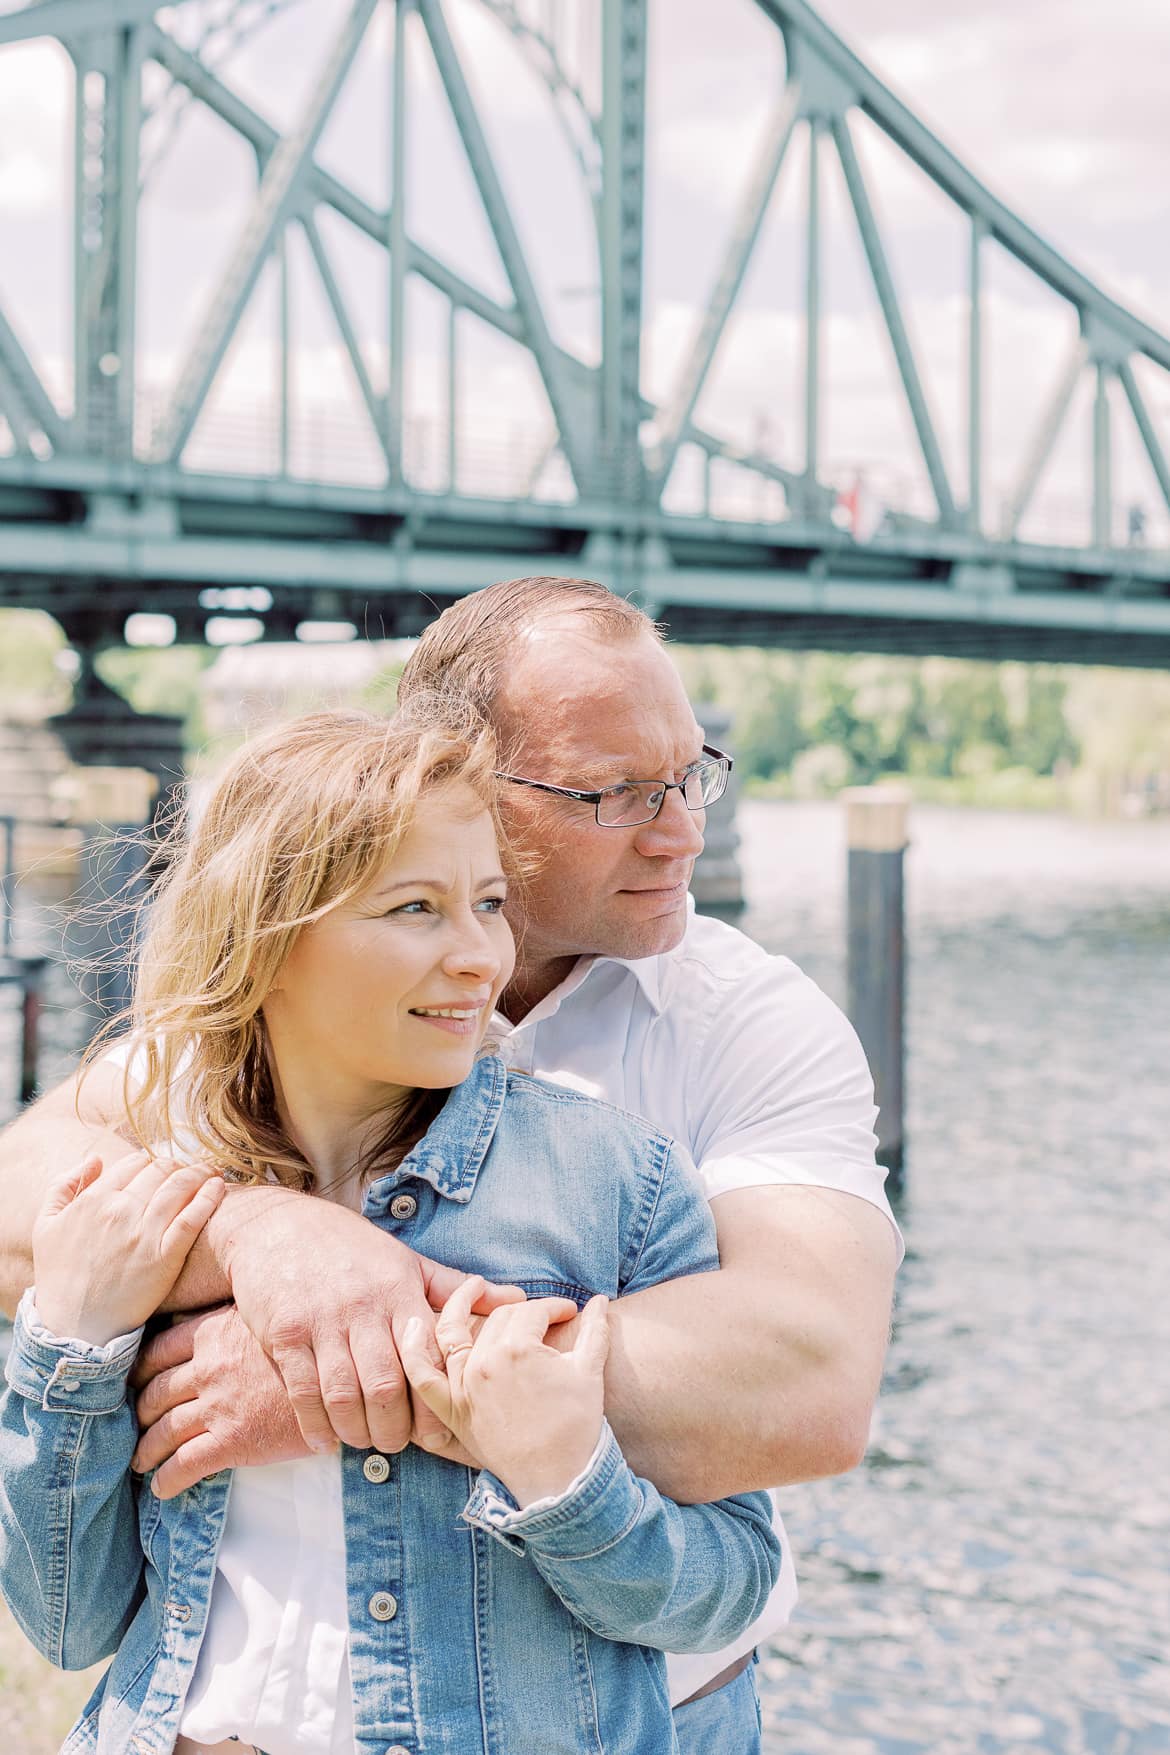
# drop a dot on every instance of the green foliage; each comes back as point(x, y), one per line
point(161, 679)
point(30, 646)
point(1011, 734)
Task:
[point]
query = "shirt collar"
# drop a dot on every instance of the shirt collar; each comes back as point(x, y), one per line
point(451, 1152)
point(647, 972)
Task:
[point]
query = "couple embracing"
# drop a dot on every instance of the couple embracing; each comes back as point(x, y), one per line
point(532, 1225)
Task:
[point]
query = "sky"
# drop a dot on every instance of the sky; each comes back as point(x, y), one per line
point(1060, 111)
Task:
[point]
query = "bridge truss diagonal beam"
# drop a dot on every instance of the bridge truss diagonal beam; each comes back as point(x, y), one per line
point(883, 281)
point(273, 205)
point(38, 406)
point(374, 404)
point(745, 231)
point(1145, 427)
point(1047, 432)
point(507, 240)
point(939, 163)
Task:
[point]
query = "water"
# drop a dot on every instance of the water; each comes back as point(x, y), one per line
point(996, 1577)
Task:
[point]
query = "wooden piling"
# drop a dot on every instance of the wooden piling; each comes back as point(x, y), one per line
point(876, 824)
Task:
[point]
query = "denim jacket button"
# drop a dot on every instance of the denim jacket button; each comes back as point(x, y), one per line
point(398, 1749)
point(376, 1469)
point(383, 1607)
point(403, 1206)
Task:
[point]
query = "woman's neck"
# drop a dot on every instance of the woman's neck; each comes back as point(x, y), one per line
point(332, 1122)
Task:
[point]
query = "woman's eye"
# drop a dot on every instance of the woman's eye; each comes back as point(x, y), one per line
point(410, 908)
point(492, 904)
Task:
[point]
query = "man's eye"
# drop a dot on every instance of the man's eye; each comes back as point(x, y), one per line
point(410, 908)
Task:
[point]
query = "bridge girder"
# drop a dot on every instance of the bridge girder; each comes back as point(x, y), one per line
point(96, 505)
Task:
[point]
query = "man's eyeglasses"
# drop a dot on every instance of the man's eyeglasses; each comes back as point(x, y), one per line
point(639, 801)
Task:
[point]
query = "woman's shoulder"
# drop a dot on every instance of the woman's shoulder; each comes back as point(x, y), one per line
point(552, 1104)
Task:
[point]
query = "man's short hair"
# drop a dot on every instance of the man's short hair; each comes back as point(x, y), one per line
point(467, 650)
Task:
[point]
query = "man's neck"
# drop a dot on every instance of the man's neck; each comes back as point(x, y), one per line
point(531, 983)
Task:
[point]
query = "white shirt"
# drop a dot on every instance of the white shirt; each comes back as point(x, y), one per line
point(733, 1052)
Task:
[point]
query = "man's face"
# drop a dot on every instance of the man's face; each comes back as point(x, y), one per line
point(588, 713)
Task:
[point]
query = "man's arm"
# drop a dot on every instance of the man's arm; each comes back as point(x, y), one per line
point(765, 1372)
point(322, 1291)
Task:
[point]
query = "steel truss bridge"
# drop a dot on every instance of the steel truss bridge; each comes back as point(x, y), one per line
point(112, 505)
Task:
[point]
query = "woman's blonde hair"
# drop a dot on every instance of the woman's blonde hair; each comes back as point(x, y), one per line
point(299, 822)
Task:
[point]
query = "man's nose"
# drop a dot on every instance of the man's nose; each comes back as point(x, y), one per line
point(675, 833)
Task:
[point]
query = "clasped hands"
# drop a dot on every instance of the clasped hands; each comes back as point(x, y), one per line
point(335, 1335)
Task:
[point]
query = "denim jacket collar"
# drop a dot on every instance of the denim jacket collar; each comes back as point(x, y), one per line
point(456, 1144)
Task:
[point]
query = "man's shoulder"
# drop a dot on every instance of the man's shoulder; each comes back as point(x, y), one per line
point(714, 957)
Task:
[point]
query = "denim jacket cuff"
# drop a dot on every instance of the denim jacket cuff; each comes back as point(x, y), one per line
point(591, 1514)
point(70, 1376)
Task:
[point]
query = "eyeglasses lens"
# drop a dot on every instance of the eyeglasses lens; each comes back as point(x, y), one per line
point(624, 806)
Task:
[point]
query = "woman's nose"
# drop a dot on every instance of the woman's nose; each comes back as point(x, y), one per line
point(474, 953)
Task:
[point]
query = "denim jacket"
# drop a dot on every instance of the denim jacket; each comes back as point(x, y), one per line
point(513, 1632)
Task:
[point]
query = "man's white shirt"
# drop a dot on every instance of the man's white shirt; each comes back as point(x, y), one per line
point(749, 1066)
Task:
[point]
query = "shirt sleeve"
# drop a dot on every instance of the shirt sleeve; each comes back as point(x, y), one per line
point(779, 1092)
point(71, 1564)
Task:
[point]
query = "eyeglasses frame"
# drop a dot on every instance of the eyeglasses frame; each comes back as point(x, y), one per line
point(595, 798)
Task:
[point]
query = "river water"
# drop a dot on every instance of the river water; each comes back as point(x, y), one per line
point(996, 1577)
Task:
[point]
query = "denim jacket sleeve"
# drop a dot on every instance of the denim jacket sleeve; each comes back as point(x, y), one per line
point(633, 1565)
point(71, 1564)
point(628, 1562)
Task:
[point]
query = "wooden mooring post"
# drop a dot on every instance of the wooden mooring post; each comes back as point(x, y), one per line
point(876, 822)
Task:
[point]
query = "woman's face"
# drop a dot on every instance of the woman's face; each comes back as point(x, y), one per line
point(396, 987)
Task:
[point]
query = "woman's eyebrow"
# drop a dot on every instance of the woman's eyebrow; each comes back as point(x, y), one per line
point(433, 883)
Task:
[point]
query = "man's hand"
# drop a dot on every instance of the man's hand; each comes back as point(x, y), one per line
point(210, 1399)
point(328, 1296)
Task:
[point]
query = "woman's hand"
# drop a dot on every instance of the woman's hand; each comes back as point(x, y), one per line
point(531, 1413)
point(108, 1244)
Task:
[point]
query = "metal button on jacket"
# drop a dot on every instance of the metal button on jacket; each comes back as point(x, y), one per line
point(398, 1749)
point(403, 1206)
point(383, 1607)
point(376, 1468)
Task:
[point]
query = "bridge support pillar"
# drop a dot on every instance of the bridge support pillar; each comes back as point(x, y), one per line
point(717, 885)
point(131, 779)
point(876, 954)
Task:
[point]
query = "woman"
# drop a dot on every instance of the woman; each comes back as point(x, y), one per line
point(313, 1003)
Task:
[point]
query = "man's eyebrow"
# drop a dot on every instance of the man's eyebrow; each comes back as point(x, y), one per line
point(602, 773)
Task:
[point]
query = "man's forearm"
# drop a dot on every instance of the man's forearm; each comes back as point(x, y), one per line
point(765, 1372)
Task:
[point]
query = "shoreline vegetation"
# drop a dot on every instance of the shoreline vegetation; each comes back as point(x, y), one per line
point(954, 731)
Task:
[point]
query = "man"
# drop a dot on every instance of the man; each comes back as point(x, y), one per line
point(761, 1374)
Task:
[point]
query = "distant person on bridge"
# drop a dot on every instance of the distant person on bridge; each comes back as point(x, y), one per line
point(761, 1374)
